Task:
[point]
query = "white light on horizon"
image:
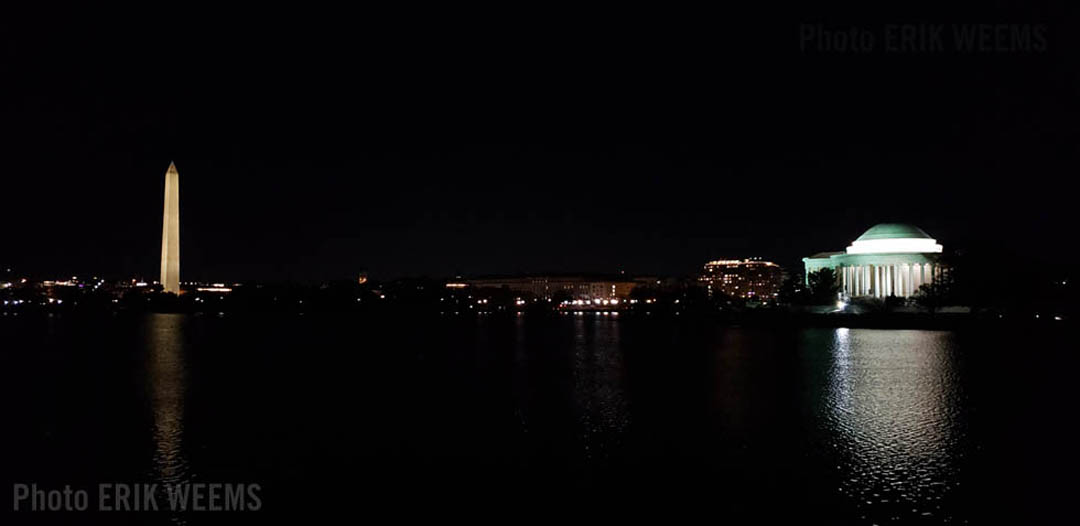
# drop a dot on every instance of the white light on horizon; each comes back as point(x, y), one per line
point(895, 246)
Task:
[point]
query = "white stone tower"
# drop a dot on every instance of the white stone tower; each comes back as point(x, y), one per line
point(170, 233)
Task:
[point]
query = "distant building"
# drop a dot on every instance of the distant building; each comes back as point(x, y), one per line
point(170, 233)
point(750, 279)
point(890, 259)
point(546, 287)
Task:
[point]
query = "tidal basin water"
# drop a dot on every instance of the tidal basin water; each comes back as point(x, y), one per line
point(523, 418)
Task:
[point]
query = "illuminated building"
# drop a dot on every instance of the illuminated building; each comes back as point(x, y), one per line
point(214, 287)
point(890, 259)
point(170, 233)
point(545, 287)
point(750, 279)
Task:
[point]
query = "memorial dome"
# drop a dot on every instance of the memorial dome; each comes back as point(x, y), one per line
point(894, 231)
point(894, 238)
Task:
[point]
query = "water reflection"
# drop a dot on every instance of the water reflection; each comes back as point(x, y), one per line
point(599, 385)
point(166, 375)
point(891, 412)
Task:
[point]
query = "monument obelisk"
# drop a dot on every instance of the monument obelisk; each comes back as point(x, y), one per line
point(170, 233)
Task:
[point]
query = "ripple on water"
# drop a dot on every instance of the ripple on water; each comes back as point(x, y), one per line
point(893, 417)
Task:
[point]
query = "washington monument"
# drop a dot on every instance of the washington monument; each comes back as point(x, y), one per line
point(170, 233)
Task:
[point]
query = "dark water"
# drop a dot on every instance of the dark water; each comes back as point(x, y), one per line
point(511, 419)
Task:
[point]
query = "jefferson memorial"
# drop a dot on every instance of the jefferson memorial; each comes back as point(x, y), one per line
point(890, 259)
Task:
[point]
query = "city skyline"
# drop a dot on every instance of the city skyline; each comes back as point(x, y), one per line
point(170, 252)
point(677, 151)
point(170, 259)
point(169, 264)
point(764, 264)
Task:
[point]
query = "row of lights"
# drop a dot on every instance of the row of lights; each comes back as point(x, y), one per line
point(613, 301)
point(20, 302)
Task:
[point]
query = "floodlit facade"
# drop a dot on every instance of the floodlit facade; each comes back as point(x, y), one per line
point(750, 279)
point(545, 287)
point(170, 233)
point(890, 259)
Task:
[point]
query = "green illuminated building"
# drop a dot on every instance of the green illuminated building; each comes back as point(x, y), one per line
point(890, 259)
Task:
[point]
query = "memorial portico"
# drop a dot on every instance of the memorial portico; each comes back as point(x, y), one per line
point(888, 260)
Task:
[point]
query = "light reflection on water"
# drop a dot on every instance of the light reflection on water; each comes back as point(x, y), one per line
point(167, 377)
point(889, 405)
point(599, 389)
point(825, 424)
point(891, 415)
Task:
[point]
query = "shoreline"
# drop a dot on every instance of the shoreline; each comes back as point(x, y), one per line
point(770, 318)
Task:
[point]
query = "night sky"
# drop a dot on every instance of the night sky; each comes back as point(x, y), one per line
point(313, 146)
